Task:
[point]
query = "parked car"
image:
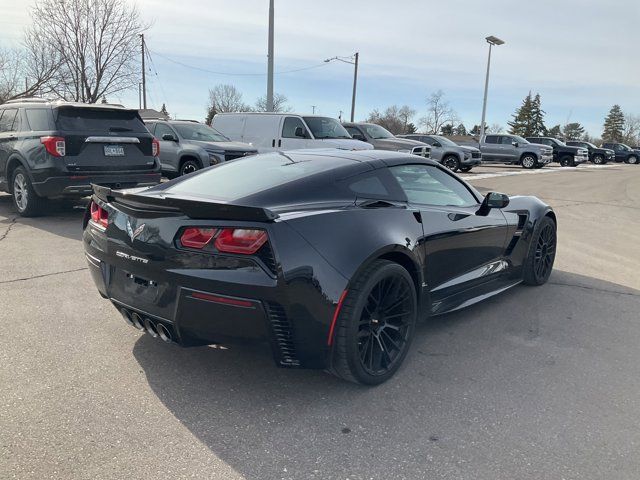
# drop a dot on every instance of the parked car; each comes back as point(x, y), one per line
point(187, 146)
point(224, 255)
point(624, 153)
point(383, 139)
point(286, 131)
point(448, 153)
point(599, 156)
point(58, 149)
point(513, 149)
point(564, 154)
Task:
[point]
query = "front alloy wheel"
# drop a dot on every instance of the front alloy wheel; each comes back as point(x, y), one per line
point(188, 167)
point(542, 253)
point(375, 326)
point(529, 161)
point(451, 162)
point(632, 160)
point(598, 159)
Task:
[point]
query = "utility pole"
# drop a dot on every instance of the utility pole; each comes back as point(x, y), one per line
point(140, 95)
point(313, 108)
point(270, 61)
point(144, 81)
point(491, 41)
point(355, 82)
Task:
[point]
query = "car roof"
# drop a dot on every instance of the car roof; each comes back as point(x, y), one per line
point(62, 104)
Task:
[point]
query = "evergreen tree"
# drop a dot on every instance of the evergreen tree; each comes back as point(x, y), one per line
point(446, 130)
point(163, 110)
point(573, 131)
point(521, 123)
point(555, 131)
point(537, 117)
point(411, 128)
point(475, 130)
point(614, 125)
point(460, 130)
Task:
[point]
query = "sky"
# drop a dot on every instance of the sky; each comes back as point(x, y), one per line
point(580, 55)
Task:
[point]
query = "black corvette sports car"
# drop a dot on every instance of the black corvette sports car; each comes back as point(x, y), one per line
point(331, 256)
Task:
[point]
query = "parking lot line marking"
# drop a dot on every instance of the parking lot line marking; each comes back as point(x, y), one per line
point(481, 176)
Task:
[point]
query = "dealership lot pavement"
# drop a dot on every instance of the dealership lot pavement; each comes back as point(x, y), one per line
point(538, 383)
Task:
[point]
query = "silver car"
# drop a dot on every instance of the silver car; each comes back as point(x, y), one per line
point(451, 155)
point(383, 139)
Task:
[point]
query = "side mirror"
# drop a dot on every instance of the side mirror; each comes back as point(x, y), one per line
point(299, 132)
point(515, 144)
point(169, 137)
point(493, 200)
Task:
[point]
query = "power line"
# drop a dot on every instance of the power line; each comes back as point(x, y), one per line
point(237, 74)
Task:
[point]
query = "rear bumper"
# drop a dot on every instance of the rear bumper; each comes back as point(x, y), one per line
point(79, 185)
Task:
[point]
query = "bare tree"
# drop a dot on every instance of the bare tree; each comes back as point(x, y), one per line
point(225, 98)
point(495, 128)
point(27, 71)
point(631, 130)
point(97, 42)
point(395, 119)
point(439, 113)
point(279, 103)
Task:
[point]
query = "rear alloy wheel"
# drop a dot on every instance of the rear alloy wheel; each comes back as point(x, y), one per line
point(632, 159)
point(451, 162)
point(375, 326)
point(25, 199)
point(529, 161)
point(567, 161)
point(542, 253)
point(598, 160)
point(188, 167)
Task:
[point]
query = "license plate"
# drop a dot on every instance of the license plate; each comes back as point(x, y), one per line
point(113, 151)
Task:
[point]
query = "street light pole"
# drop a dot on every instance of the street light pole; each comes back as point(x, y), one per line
point(356, 57)
point(270, 61)
point(491, 41)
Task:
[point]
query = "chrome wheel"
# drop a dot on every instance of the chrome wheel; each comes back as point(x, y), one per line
point(598, 160)
point(384, 326)
point(545, 252)
point(633, 160)
point(20, 192)
point(528, 162)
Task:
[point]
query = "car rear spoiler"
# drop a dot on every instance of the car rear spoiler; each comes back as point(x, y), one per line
point(193, 208)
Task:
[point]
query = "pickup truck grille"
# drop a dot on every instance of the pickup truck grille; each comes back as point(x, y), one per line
point(476, 155)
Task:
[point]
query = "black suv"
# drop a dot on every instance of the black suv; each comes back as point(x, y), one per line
point(565, 155)
point(624, 153)
point(599, 156)
point(58, 149)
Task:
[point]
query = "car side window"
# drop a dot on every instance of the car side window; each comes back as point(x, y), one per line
point(427, 140)
point(353, 131)
point(289, 128)
point(39, 119)
point(162, 129)
point(7, 121)
point(429, 185)
point(506, 140)
point(491, 139)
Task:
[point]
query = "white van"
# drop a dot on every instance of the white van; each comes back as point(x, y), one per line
point(286, 131)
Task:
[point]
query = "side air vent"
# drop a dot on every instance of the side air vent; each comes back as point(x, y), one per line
point(266, 255)
point(522, 221)
point(283, 335)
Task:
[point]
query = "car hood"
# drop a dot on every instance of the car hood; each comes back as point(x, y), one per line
point(345, 144)
point(468, 149)
point(540, 146)
point(397, 143)
point(224, 146)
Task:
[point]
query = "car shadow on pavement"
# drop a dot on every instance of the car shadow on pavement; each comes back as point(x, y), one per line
point(61, 218)
point(475, 381)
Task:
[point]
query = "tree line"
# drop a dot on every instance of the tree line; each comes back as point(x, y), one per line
point(225, 98)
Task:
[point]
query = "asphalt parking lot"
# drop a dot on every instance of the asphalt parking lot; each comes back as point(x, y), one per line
point(537, 383)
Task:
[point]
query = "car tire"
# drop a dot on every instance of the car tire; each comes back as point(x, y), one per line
point(567, 161)
point(451, 162)
point(189, 166)
point(25, 200)
point(542, 253)
point(369, 346)
point(632, 160)
point(528, 161)
point(598, 160)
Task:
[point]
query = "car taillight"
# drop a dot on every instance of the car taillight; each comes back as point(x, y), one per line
point(240, 240)
point(155, 147)
point(194, 237)
point(54, 145)
point(99, 215)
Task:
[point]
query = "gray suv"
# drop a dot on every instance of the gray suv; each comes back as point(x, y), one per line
point(383, 139)
point(187, 146)
point(448, 153)
point(58, 149)
point(514, 149)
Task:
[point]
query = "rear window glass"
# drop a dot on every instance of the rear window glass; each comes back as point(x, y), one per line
point(244, 177)
point(7, 120)
point(99, 120)
point(39, 119)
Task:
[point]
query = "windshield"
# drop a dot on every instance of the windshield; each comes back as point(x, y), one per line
point(377, 132)
point(326, 127)
point(198, 131)
point(516, 138)
point(445, 141)
point(626, 147)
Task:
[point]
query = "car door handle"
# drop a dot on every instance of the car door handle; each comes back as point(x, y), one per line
point(279, 142)
point(273, 143)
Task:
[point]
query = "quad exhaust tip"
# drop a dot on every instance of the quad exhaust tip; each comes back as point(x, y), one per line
point(137, 321)
point(147, 325)
point(164, 333)
point(151, 328)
